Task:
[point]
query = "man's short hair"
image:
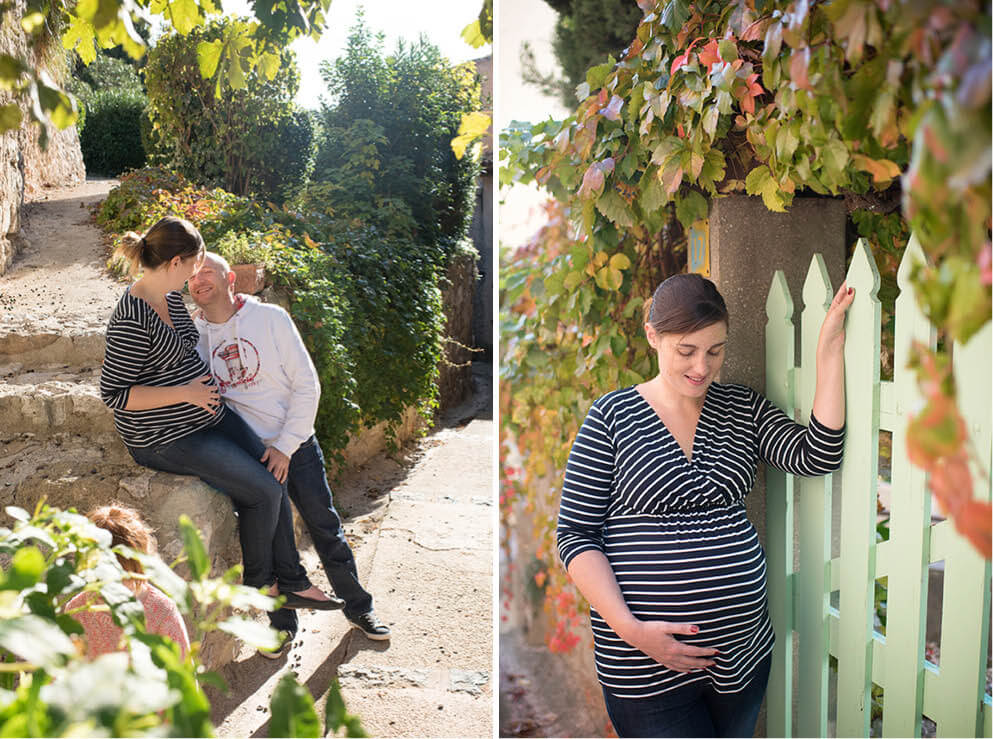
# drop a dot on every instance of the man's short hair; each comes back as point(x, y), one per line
point(219, 259)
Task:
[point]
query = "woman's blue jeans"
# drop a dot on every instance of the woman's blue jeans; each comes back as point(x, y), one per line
point(694, 710)
point(226, 457)
point(309, 490)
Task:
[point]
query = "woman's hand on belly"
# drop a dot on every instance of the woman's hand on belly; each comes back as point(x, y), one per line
point(655, 638)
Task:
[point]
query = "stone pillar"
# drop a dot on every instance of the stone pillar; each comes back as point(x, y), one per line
point(748, 243)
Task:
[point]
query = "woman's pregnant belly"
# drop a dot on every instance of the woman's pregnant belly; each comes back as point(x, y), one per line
point(705, 568)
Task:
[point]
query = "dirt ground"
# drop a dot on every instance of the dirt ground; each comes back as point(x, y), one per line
point(60, 276)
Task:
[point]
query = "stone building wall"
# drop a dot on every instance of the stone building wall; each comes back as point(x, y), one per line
point(25, 168)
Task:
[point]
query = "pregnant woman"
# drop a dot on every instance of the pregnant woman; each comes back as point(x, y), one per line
point(652, 525)
point(168, 411)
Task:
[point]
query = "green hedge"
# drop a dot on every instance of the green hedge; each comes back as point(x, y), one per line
point(111, 139)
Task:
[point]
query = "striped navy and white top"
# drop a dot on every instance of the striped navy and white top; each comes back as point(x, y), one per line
point(675, 531)
point(143, 350)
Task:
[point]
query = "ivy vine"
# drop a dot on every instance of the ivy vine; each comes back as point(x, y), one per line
point(881, 102)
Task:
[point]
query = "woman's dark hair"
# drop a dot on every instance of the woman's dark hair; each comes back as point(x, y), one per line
point(686, 303)
point(169, 237)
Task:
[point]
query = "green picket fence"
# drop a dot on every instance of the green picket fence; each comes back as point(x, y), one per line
point(800, 599)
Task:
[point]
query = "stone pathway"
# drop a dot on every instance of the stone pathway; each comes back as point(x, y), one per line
point(424, 550)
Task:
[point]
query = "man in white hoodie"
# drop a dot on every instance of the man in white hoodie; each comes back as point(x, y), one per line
point(265, 374)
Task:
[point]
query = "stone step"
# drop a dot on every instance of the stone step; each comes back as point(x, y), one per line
point(36, 343)
point(52, 400)
point(83, 472)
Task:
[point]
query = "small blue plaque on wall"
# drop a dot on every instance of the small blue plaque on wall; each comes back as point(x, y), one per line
point(698, 248)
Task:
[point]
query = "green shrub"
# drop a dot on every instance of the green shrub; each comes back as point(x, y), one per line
point(386, 138)
point(285, 156)
point(249, 247)
point(149, 689)
point(107, 73)
point(111, 139)
point(220, 139)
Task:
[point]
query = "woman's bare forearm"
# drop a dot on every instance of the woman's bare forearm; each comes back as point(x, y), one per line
point(147, 397)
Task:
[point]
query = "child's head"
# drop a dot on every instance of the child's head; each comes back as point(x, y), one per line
point(126, 527)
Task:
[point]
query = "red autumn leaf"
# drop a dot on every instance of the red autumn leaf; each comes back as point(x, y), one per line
point(951, 482)
point(799, 61)
point(636, 47)
point(746, 94)
point(936, 432)
point(539, 578)
point(974, 523)
point(683, 58)
point(882, 170)
point(592, 181)
point(709, 55)
point(679, 131)
point(602, 97)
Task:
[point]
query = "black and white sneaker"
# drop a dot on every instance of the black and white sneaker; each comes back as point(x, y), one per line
point(282, 649)
point(371, 626)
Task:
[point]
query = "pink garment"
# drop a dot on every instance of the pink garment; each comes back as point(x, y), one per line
point(103, 635)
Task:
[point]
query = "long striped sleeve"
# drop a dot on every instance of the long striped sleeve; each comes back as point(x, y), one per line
point(128, 345)
point(589, 477)
point(807, 451)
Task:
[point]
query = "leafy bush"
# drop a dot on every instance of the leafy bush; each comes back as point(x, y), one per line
point(233, 139)
point(105, 73)
point(366, 300)
point(244, 248)
point(48, 689)
point(111, 137)
point(285, 157)
point(387, 134)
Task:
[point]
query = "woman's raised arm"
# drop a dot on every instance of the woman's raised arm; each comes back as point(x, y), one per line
point(829, 396)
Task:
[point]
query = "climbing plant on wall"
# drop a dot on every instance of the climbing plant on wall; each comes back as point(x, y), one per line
point(876, 101)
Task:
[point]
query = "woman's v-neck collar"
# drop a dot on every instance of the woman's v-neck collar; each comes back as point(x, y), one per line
point(694, 450)
point(155, 313)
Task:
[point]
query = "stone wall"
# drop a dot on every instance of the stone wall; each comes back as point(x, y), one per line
point(457, 296)
point(24, 167)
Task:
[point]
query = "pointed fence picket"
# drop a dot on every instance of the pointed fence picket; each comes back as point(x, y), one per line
point(953, 693)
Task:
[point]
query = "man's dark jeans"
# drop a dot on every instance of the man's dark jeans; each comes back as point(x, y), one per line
point(311, 494)
point(694, 710)
point(226, 457)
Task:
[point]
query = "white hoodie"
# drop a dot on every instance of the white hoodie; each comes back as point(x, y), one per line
point(263, 371)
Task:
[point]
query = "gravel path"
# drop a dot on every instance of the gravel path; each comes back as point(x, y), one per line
point(60, 275)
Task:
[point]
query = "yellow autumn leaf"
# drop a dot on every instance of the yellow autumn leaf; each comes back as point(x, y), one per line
point(620, 261)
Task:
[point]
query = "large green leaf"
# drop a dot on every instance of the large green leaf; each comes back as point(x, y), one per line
point(35, 640)
point(208, 56)
point(196, 553)
point(251, 632)
point(26, 568)
point(292, 710)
